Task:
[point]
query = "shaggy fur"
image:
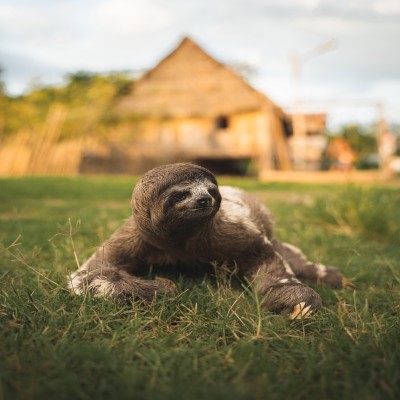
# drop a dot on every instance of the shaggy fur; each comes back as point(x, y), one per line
point(181, 217)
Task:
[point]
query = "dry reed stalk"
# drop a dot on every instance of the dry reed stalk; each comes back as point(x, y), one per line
point(36, 153)
point(70, 154)
point(46, 139)
point(15, 154)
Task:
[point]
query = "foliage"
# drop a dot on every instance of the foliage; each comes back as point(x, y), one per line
point(362, 140)
point(395, 128)
point(361, 210)
point(211, 341)
point(2, 85)
point(88, 98)
point(245, 70)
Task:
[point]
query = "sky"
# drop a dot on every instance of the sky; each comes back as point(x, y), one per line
point(42, 40)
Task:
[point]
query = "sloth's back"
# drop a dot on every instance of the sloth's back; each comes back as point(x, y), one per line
point(245, 211)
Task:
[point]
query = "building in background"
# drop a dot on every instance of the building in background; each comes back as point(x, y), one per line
point(308, 141)
point(191, 107)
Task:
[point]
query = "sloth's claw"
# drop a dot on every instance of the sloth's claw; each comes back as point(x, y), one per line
point(347, 284)
point(300, 311)
point(167, 285)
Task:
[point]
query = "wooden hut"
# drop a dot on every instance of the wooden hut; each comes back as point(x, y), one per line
point(192, 107)
point(309, 141)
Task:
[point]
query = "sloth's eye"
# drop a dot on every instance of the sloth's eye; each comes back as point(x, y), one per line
point(180, 196)
point(213, 192)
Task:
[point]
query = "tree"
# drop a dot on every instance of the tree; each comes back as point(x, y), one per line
point(88, 97)
point(362, 141)
point(2, 84)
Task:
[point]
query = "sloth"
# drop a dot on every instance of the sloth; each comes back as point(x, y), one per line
point(182, 217)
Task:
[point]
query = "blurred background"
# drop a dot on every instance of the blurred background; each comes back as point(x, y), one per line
point(240, 86)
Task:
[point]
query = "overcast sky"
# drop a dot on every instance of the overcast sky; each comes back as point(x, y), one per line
point(44, 39)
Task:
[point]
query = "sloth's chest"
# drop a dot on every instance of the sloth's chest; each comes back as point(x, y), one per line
point(191, 252)
point(224, 244)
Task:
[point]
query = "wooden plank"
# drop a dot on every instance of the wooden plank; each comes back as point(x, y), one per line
point(325, 176)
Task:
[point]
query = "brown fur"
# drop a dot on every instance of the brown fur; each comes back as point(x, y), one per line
point(180, 216)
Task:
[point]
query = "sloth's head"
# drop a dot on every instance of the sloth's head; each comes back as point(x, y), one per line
point(175, 198)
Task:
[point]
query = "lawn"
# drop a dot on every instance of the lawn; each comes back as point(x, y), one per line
point(211, 341)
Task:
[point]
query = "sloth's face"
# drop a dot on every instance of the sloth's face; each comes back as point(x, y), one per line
point(191, 202)
point(174, 199)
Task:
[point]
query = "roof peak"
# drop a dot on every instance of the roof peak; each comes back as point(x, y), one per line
point(191, 82)
point(187, 40)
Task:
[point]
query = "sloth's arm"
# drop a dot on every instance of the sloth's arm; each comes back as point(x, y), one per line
point(307, 270)
point(277, 286)
point(111, 270)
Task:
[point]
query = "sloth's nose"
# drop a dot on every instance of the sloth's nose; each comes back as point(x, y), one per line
point(204, 201)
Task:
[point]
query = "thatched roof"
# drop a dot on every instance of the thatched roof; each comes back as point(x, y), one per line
point(189, 83)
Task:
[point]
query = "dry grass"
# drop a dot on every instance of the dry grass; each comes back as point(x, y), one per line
point(41, 152)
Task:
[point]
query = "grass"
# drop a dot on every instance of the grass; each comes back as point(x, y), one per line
point(211, 341)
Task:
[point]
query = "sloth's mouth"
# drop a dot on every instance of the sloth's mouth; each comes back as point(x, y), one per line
point(202, 208)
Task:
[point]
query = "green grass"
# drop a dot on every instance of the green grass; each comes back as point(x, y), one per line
point(211, 341)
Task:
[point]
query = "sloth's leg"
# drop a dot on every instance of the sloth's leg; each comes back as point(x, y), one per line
point(111, 271)
point(117, 283)
point(104, 278)
point(307, 270)
point(278, 288)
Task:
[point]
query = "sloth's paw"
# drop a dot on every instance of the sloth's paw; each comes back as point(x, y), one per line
point(118, 284)
point(331, 276)
point(294, 300)
point(347, 284)
point(166, 286)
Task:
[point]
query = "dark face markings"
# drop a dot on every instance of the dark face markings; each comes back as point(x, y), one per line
point(189, 201)
point(179, 196)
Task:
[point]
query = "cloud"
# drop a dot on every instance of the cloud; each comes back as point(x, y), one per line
point(42, 30)
point(386, 7)
point(18, 77)
point(124, 17)
point(46, 38)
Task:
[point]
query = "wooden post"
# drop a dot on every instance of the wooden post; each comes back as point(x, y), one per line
point(280, 145)
point(264, 142)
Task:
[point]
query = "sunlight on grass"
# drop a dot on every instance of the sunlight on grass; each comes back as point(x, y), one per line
point(372, 213)
point(210, 341)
